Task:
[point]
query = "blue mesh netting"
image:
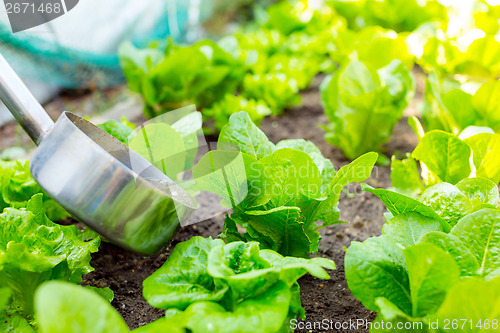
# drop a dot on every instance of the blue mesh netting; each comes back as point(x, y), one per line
point(49, 60)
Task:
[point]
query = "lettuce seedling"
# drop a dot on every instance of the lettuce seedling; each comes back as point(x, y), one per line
point(17, 186)
point(230, 104)
point(447, 107)
point(167, 82)
point(121, 130)
point(399, 15)
point(413, 271)
point(62, 307)
point(364, 104)
point(479, 60)
point(445, 157)
point(33, 249)
point(218, 285)
point(278, 192)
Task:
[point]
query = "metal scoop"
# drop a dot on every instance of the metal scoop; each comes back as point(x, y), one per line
point(95, 177)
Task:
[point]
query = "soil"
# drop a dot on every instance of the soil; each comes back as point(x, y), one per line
point(124, 272)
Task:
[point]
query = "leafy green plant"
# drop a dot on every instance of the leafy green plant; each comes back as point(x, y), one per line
point(447, 107)
point(230, 104)
point(224, 286)
point(364, 104)
point(444, 157)
point(429, 249)
point(167, 82)
point(33, 249)
point(17, 187)
point(366, 44)
point(478, 58)
point(278, 192)
point(64, 307)
point(122, 130)
point(399, 15)
point(277, 90)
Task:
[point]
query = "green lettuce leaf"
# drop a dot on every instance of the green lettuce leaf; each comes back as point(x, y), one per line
point(33, 249)
point(363, 104)
point(222, 110)
point(17, 186)
point(63, 307)
point(243, 135)
point(184, 279)
point(120, 130)
point(445, 155)
point(474, 300)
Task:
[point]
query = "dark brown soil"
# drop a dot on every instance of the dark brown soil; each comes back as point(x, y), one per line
point(124, 272)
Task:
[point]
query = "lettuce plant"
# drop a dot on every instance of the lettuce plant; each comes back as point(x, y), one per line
point(121, 130)
point(444, 157)
point(230, 104)
point(17, 186)
point(399, 15)
point(33, 249)
point(167, 82)
point(367, 42)
point(277, 90)
point(205, 283)
point(430, 249)
point(277, 192)
point(364, 104)
point(477, 58)
point(447, 107)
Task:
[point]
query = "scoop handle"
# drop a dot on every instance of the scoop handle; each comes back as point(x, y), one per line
point(22, 104)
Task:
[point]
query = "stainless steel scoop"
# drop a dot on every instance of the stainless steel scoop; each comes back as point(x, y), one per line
point(95, 177)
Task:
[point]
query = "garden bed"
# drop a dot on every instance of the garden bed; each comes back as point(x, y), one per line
point(124, 272)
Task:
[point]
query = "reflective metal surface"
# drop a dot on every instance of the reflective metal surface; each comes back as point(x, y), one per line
point(98, 179)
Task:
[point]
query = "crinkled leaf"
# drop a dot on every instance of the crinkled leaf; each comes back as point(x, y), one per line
point(408, 228)
point(447, 201)
point(242, 133)
point(250, 271)
point(33, 249)
point(183, 278)
point(479, 191)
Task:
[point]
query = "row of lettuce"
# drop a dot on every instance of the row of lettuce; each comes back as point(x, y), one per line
point(435, 267)
point(367, 48)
